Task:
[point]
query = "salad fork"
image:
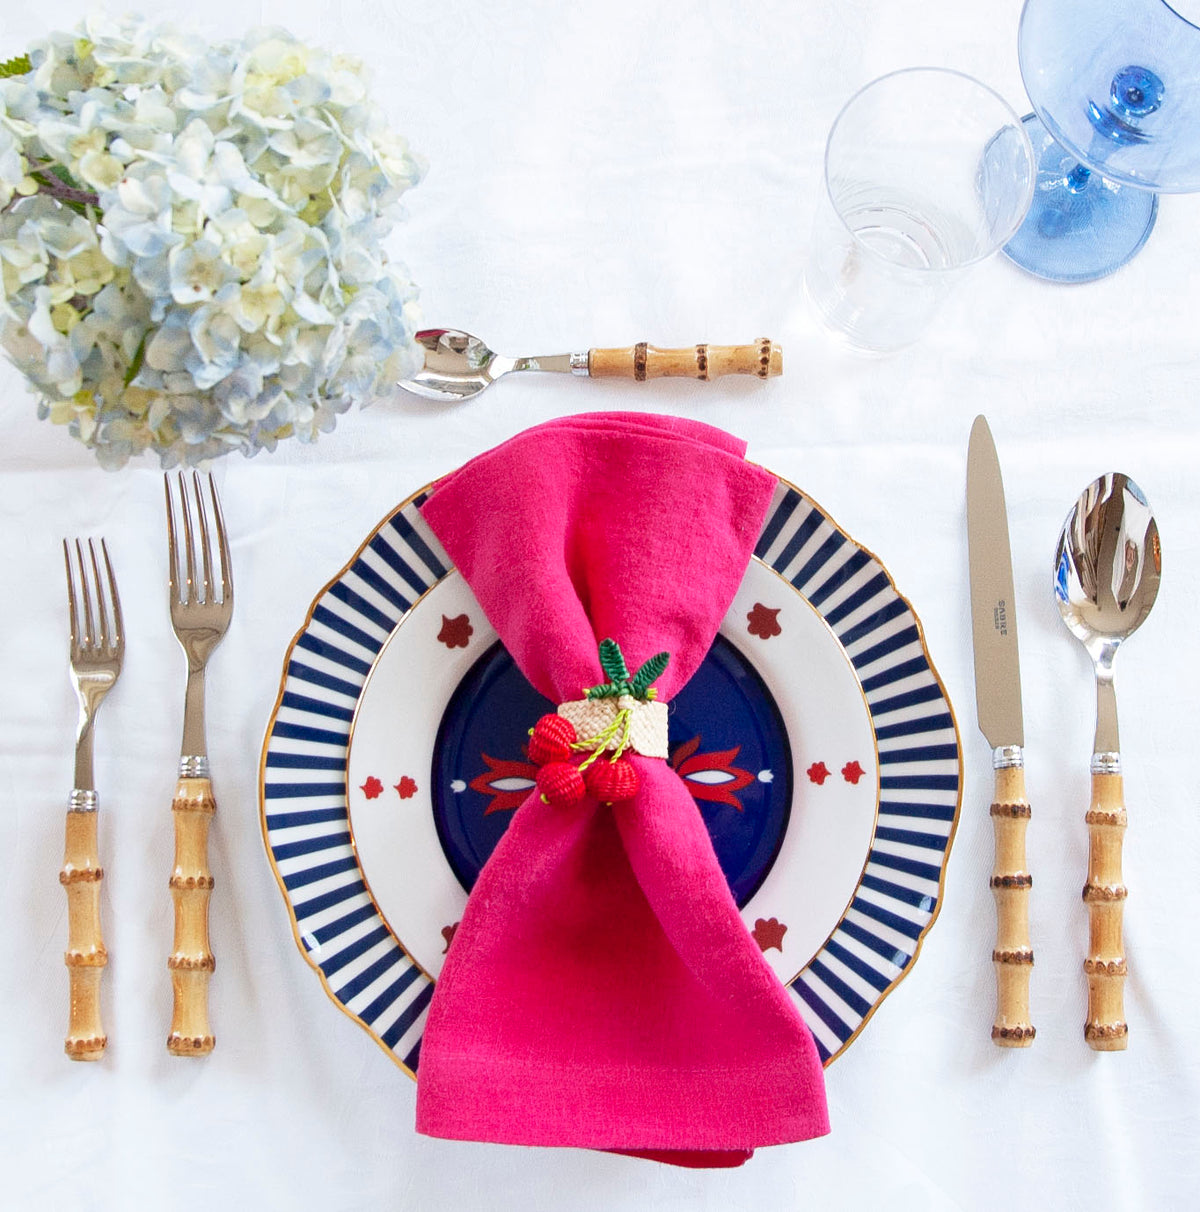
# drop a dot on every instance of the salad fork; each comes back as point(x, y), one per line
point(201, 595)
point(97, 650)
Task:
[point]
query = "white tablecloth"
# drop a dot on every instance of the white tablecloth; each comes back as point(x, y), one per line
point(599, 175)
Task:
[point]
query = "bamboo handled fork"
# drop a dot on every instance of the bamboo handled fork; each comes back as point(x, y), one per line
point(97, 650)
point(201, 594)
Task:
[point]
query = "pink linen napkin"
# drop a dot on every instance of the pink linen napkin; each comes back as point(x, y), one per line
point(602, 990)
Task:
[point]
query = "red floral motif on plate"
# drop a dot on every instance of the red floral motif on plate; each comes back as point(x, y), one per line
point(406, 788)
point(769, 932)
point(852, 772)
point(456, 632)
point(763, 621)
point(372, 788)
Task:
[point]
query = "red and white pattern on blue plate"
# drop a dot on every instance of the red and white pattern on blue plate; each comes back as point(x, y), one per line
point(304, 785)
point(710, 776)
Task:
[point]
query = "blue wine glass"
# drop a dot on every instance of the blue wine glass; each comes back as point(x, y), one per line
point(1115, 86)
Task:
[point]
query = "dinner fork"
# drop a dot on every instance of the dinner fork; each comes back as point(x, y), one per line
point(201, 595)
point(97, 649)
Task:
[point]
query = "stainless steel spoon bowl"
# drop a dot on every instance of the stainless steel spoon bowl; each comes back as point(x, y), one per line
point(1106, 575)
point(458, 365)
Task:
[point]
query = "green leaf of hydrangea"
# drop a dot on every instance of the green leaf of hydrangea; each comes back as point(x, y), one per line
point(19, 66)
point(61, 172)
point(139, 356)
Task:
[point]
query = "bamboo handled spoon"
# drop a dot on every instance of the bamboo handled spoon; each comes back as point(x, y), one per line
point(458, 365)
point(1106, 574)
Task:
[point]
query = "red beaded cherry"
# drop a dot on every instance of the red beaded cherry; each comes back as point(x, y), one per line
point(611, 782)
point(561, 784)
point(551, 740)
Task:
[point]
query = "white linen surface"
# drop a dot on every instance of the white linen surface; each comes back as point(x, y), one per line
point(603, 174)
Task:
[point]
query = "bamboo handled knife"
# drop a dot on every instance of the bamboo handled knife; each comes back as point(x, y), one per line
point(998, 703)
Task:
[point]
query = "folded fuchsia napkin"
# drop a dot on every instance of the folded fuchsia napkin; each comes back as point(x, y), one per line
point(602, 990)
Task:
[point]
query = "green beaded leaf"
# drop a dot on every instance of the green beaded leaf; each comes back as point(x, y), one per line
point(649, 672)
point(607, 691)
point(19, 66)
point(613, 662)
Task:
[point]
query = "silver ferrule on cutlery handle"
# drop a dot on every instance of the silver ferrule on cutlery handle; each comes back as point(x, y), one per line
point(1005, 757)
point(1106, 763)
point(1010, 883)
point(1104, 894)
point(194, 766)
point(83, 800)
point(85, 957)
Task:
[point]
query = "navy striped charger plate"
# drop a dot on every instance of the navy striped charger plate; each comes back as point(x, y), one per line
point(303, 781)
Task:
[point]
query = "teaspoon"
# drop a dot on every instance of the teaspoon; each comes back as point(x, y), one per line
point(1106, 574)
point(459, 365)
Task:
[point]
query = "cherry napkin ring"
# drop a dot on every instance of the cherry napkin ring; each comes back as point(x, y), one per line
point(616, 717)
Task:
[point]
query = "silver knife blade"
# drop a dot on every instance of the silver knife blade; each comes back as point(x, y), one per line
point(993, 605)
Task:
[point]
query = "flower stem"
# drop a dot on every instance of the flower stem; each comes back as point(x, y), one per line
point(51, 184)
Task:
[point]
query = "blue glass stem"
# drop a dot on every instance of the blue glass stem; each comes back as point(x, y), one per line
point(1080, 226)
point(1078, 178)
point(1134, 94)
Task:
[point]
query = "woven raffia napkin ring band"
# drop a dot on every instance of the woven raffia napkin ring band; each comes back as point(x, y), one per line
point(647, 722)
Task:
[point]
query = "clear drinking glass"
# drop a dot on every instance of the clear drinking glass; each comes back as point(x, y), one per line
point(927, 172)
